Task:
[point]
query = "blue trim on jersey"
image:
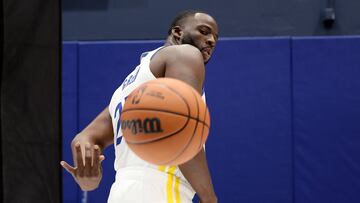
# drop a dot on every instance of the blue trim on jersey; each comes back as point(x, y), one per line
point(118, 140)
point(143, 55)
point(118, 109)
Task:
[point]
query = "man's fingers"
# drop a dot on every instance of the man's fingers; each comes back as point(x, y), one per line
point(67, 167)
point(96, 161)
point(79, 161)
point(88, 159)
point(101, 158)
point(96, 155)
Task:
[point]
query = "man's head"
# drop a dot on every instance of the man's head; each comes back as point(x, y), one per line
point(195, 28)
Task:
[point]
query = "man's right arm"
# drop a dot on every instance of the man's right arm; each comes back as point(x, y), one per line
point(98, 132)
point(87, 147)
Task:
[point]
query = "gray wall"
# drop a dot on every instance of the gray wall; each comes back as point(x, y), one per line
point(145, 19)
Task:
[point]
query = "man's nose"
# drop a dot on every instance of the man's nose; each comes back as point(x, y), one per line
point(211, 40)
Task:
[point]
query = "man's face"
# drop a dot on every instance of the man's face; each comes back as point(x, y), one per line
point(201, 31)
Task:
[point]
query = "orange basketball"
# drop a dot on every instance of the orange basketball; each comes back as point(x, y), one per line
point(165, 121)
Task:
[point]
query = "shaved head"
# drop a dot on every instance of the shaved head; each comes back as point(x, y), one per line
point(180, 18)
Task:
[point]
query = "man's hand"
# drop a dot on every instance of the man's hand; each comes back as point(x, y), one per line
point(86, 173)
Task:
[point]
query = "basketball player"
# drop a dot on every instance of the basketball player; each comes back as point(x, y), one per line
point(190, 43)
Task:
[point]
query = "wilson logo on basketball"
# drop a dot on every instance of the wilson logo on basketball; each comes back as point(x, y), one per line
point(147, 126)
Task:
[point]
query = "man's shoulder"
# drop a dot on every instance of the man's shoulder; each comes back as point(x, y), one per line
point(181, 48)
point(183, 51)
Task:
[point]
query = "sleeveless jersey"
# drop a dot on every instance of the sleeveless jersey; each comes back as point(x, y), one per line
point(124, 157)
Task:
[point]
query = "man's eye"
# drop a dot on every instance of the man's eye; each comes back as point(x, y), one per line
point(203, 32)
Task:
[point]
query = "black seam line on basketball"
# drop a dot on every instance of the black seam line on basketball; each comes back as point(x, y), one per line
point(192, 136)
point(188, 119)
point(166, 111)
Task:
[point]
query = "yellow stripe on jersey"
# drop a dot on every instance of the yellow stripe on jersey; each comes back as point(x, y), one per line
point(162, 168)
point(172, 170)
point(177, 191)
point(169, 184)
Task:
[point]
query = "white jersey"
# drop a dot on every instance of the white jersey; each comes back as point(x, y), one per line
point(126, 162)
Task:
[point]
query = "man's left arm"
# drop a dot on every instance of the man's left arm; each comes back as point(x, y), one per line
point(197, 173)
point(185, 63)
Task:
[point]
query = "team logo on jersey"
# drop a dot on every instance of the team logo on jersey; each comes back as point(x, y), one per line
point(147, 126)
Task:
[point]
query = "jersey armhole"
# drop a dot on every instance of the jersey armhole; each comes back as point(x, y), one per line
point(156, 51)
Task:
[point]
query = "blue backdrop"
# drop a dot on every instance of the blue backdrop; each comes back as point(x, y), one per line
point(285, 115)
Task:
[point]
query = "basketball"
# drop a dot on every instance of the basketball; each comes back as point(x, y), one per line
point(165, 121)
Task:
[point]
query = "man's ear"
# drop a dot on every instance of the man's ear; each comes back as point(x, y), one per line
point(177, 32)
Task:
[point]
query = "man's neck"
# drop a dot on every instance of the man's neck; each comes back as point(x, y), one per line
point(171, 41)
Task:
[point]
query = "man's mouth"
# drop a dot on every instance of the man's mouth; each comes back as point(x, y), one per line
point(207, 51)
